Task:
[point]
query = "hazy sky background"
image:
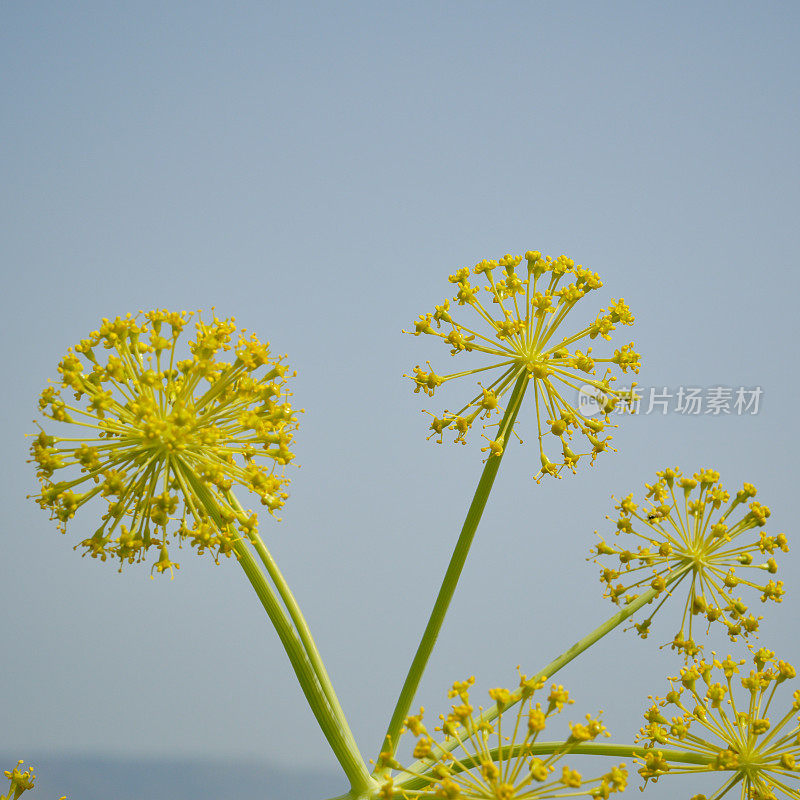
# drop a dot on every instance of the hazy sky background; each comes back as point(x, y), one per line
point(317, 170)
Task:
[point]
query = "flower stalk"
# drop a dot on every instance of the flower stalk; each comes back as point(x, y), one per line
point(304, 633)
point(455, 566)
point(330, 719)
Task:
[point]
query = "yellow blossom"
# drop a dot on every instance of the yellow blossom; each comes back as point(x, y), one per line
point(162, 437)
point(519, 315)
point(693, 526)
point(728, 724)
point(502, 760)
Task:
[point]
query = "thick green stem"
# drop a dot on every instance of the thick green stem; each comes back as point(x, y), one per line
point(351, 762)
point(556, 664)
point(349, 758)
point(301, 626)
point(453, 573)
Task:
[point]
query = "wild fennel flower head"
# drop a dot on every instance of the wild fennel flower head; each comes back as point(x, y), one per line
point(692, 526)
point(519, 326)
point(728, 721)
point(505, 759)
point(163, 437)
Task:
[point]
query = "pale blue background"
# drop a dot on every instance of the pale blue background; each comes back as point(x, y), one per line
point(317, 170)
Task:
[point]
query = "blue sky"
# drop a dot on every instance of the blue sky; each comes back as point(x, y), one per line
point(317, 170)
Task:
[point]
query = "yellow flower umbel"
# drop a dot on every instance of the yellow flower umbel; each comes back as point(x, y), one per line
point(755, 743)
point(519, 333)
point(680, 528)
point(163, 438)
point(493, 762)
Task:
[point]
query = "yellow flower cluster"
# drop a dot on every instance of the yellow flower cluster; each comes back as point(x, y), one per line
point(517, 332)
point(162, 438)
point(488, 763)
point(756, 743)
point(681, 527)
point(22, 780)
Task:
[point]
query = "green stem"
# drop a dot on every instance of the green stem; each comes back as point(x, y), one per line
point(453, 573)
point(549, 748)
point(303, 631)
point(556, 664)
point(352, 765)
point(350, 759)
